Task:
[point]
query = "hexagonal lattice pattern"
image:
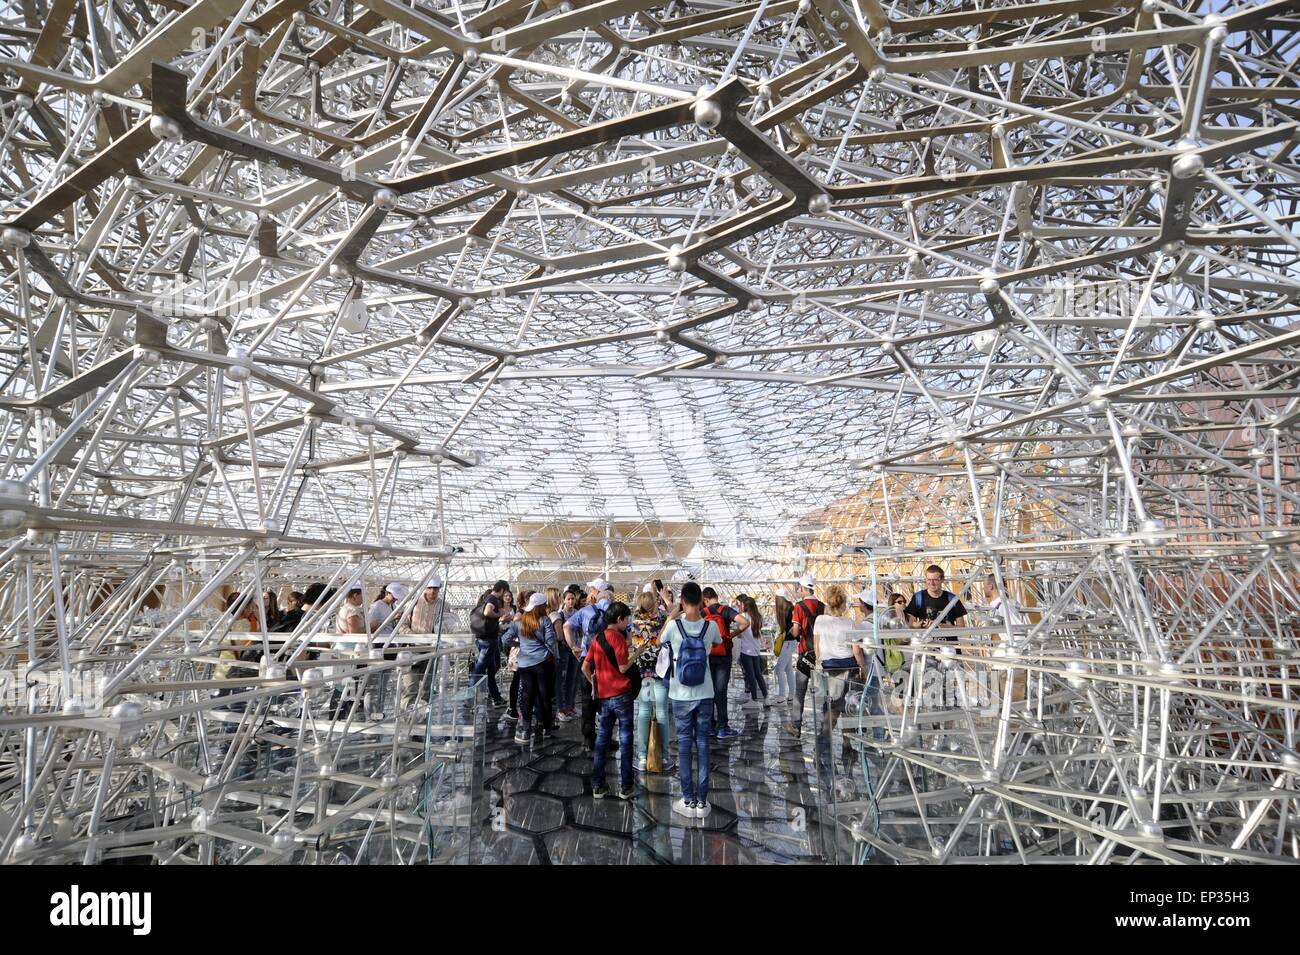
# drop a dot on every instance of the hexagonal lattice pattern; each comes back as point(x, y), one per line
point(360, 292)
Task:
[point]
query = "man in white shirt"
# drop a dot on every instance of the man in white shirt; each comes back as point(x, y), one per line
point(423, 616)
point(1000, 611)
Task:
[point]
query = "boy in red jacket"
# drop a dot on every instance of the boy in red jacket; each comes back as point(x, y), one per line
point(606, 667)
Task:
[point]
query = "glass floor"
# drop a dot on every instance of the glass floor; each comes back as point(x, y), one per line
point(539, 808)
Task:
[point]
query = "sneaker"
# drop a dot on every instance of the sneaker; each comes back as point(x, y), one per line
point(510, 718)
point(521, 738)
point(567, 716)
point(599, 792)
point(727, 733)
point(702, 808)
point(639, 765)
point(684, 808)
point(625, 792)
point(767, 701)
point(669, 765)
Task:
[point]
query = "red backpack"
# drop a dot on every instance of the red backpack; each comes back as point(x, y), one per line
point(720, 621)
point(806, 612)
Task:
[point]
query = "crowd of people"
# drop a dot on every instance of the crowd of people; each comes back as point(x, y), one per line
point(661, 668)
point(355, 626)
point(638, 676)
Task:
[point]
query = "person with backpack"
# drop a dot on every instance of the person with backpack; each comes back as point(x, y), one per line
point(690, 638)
point(935, 603)
point(615, 675)
point(802, 621)
point(579, 632)
point(645, 632)
point(720, 658)
point(536, 638)
point(485, 624)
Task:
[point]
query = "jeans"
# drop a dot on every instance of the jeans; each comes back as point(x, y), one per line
point(694, 733)
point(548, 690)
point(654, 696)
point(533, 698)
point(513, 705)
point(485, 664)
point(720, 670)
point(800, 694)
point(611, 709)
point(588, 704)
point(752, 667)
point(785, 670)
point(567, 677)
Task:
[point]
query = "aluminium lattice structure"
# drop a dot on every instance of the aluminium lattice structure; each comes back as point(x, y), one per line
point(353, 290)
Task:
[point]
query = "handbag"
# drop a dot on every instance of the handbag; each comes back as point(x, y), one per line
point(654, 756)
point(664, 661)
point(806, 663)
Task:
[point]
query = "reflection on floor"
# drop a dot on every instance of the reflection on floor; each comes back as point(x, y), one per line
point(539, 806)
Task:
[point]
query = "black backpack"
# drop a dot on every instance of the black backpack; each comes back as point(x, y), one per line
point(478, 621)
point(633, 675)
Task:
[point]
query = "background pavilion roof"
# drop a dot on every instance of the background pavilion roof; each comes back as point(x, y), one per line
point(658, 262)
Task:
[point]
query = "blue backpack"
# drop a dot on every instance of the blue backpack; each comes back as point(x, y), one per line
point(692, 661)
point(596, 626)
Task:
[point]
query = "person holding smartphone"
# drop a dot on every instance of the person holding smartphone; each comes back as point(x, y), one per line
point(644, 634)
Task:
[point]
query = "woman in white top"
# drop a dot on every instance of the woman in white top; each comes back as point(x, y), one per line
point(751, 658)
point(832, 635)
point(351, 619)
point(838, 656)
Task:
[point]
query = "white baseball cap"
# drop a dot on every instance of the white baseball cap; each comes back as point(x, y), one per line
point(397, 590)
point(434, 581)
point(648, 588)
point(600, 583)
point(784, 594)
point(866, 596)
point(807, 581)
point(535, 601)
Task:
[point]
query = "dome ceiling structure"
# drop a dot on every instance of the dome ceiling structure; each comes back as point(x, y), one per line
point(374, 288)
